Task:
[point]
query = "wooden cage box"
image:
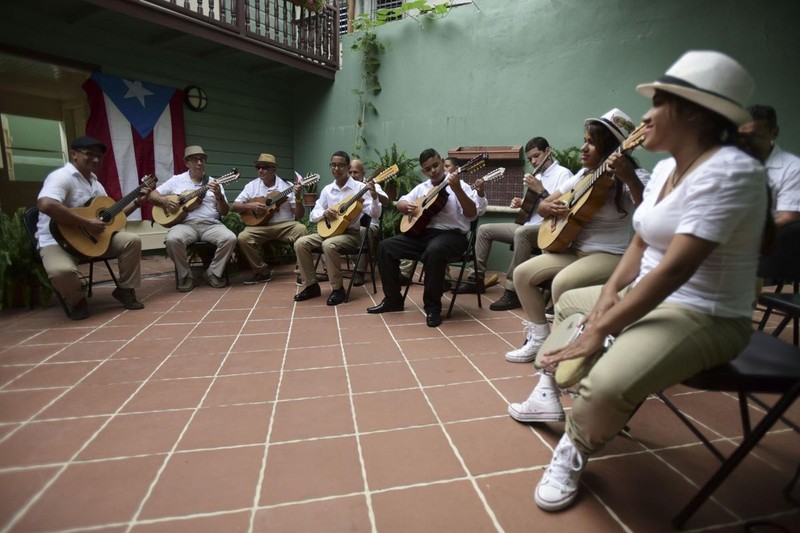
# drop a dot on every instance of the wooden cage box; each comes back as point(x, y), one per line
point(500, 192)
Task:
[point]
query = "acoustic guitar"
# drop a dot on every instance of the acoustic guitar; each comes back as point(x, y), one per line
point(531, 200)
point(80, 242)
point(415, 223)
point(271, 203)
point(188, 201)
point(583, 200)
point(349, 208)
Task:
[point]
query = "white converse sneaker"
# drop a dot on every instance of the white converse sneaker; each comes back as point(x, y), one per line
point(559, 485)
point(543, 405)
point(535, 335)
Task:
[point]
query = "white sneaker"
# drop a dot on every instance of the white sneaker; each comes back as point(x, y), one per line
point(535, 335)
point(559, 485)
point(543, 405)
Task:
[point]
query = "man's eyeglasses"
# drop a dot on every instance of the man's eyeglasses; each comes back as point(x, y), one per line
point(90, 155)
point(340, 165)
point(263, 167)
point(196, 159)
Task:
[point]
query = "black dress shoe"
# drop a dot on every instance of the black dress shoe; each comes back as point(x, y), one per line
point(337, 296)
point(385, 307)
point(433, 319)
point(312, 291)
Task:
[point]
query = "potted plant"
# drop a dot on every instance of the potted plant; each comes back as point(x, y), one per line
point(569, 158)
point(310, 194)
point(23, 279)
point(406, 178)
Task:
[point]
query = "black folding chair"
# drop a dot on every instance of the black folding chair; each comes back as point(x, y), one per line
point(31, 221)
point(462, 261)
point(782, 268)
point(767, 365)
point(201, 253)
point(365, 246)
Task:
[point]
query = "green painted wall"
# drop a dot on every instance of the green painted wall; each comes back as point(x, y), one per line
point(248, 112)
point(516, 69)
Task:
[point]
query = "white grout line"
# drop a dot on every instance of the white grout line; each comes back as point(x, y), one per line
point(262, 471)
point(35, 498)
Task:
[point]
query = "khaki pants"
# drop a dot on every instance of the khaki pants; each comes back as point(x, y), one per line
point(522, 237)
point(568, 270)
point(251, 239)
point(666, 346)
point(330, 250)
point(182, 235)
point(62, 268)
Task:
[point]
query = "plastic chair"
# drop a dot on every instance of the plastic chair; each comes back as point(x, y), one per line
point(31, 220)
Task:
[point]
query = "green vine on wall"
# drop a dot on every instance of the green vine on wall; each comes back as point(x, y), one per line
point(372, 49)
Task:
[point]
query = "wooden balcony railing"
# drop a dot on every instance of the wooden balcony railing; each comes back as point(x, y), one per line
point(300, 35)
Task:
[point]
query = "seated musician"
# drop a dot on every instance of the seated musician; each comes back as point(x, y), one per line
point(201, 224)
point(680, 300)
point(356, 172)
point(783, 168)
point(589, 260)
point(342, 188)
point(75, 185)
point(524, 236)
point(283, 225)
point(442, 238)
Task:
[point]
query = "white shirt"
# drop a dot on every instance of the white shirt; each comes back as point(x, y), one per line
point(783, 171)
point(69, 187)
point(331, 195)
point(376, 221)
point(609, 230)
point(183, 183)
point(451, 216)
point(724, 201)
point(256, 188)
point(552, 178)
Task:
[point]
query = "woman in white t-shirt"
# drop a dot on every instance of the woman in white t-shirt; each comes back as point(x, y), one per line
point(589, 260)
point(680, 300)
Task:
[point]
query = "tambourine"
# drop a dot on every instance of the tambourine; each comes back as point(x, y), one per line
point(571, 371)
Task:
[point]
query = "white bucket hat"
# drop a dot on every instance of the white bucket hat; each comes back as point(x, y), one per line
point(617, 123)
point(709, 79)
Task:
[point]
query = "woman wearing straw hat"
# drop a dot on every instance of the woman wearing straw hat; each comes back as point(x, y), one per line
point(589, 260)
point(680, 300)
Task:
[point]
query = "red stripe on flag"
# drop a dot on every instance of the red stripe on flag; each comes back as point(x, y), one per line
point(97, 127)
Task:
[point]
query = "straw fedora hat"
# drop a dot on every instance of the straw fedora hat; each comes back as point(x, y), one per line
point(617, 123)
point(266, 159)
point(710, 79)
point(193, 150)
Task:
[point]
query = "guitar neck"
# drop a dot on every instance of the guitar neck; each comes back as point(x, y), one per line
point(280, 196)
point(120, 205)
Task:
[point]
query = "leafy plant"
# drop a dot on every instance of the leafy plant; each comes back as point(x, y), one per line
point(233, 221)
point(569, 158)
point(372, 49)
point(406, 178)
point(311, 187)
point(20, 268)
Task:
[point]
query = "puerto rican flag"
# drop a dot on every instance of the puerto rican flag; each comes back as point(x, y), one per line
point(142, 126)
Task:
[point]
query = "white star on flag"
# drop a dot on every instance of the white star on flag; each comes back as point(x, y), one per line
point(136, 90)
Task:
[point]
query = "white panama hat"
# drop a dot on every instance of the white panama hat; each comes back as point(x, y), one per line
point(710, 79)
point(617, 123)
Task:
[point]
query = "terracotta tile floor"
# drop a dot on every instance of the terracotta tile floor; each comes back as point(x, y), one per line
point(239, 410)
